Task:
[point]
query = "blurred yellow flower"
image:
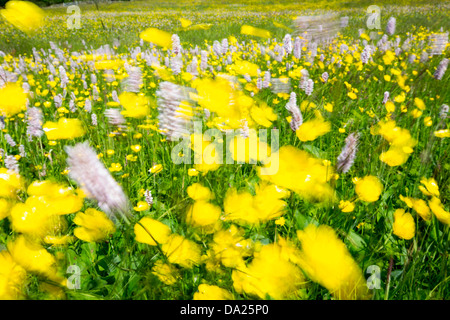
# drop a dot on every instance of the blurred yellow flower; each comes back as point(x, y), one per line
point(10, 183)
point(269, 275)
point(267, 204)
point(229, 246)
point(252, 31)
point(13, 99)
point(444, 133)
point(419, 103)
point(165, 272)
point(158, 37)
point(94, 226)
point(203, 214)
point(199, 192)
point(419, 205)
point(156, 168)
point(185, 22)
point(5, 208)
point(136, 105)
point(63, 129)
point(182, 251)
point(404, 226)
point(300, 172)
point(352, 95)
point(192, 172)
point(390, 106)
point(430, 187)
point(136, 148)
point(24, 15)
point(36, 217)
point(368, 188)
point(327, 261)
point(211, 292)
point(12, 278)
point(438, 209)
point(34, 258)
point(249, 149)
point(346, 206)
point(115, 167)
point(141, 206)
point(400, 140)
point(312, 129)
point(263, 115)
point(388, 57)
point(151, 231)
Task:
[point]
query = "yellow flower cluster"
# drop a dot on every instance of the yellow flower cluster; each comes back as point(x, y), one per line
point(178, 250)
point(400, 141)
point(270, 274)
point(326, 260)
point(302, 173)
point(202, 214)
point(267, 204)
point(13, 99)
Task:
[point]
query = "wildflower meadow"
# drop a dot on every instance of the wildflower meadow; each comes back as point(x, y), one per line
point(225, 150)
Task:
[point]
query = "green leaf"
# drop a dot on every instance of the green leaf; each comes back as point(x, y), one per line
point(355, 241)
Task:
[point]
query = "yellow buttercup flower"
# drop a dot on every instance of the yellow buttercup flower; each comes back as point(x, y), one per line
point(430, 187)
point(141, 206)
point(13, 98)
point(36, 217)
point(203, 214)
point(199, 192)
point(182, 251)
point(24, 15)
point(400, 140)
point(438, 210)
point(419, 103)
point(185, 22)
point(263, 115)
point(368, 188)
point(12, 278)
point(192, 172)
point(210, 292)
point(115, 167)
point(158, 37)
point(388, 57)
point(63, 129)
point(58, 198)
point(94, 226)
point(269, 275)
point(136, 148)
point(165, 272)
point(135, 105)
point(346, 206)
point(5, 208)
point(151, 231)
point(249, 149)
point(300, 172)
point(419, 205)
point(267, 204)
point(34, 258)
point(252, 31)
point(327, 261)
point(156, 168)
point(404, 226)
point(390, 106)
point(312, 129)
point(444, 133)
point(229, 247)
point(352, 95)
